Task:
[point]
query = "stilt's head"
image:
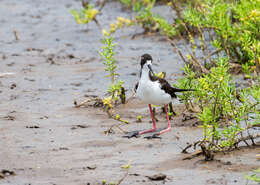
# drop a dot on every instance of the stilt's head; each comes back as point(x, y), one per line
point(146, 63)
point(146, 59)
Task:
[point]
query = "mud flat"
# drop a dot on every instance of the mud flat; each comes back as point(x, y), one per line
point(45, 140)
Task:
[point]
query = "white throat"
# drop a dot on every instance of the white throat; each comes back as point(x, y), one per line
point(145, 73)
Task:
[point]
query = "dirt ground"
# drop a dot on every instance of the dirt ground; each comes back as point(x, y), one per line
point(46, 141)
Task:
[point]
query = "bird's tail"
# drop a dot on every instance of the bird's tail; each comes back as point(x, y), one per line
point(182, 90)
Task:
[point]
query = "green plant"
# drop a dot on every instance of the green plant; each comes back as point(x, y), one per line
point(126, 168)
point(222, 107)
point(138, 5)
point(115, 86)
point(235, 24)
point(85, 14)
point(231, 27)
point(143, 17)
point(186, 83)
point(247, 70)
point(254, 177)
point(104, 182)
point(121, 23)
point(151, 23)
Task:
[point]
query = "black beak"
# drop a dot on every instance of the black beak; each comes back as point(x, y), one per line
point(150, 68)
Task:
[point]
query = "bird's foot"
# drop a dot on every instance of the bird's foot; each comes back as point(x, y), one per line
point(153, 136)
point(132, 134)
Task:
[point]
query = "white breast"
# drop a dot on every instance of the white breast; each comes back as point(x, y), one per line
point(150, 92)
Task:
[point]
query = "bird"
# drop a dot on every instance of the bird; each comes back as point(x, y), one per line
point(153, 90)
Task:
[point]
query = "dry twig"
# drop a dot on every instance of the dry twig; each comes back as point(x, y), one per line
point(16, 35)
point(98, 101)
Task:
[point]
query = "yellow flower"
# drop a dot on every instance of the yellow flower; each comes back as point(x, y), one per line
point(113, 28)
point(202, 126)
point(127, 166)
point(254, 13)
point(117, 117)
point(105, 32)
point(120, 19)
point(93, 13)
point(124, 21)
point(188, 56)
point(107, 101)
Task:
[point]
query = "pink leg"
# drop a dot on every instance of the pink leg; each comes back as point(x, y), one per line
point(154, 125)
point(169, 125)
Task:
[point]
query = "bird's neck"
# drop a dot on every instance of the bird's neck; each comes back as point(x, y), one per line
point(144, 75)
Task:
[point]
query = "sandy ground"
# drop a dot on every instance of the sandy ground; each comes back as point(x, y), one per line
point(45, 140)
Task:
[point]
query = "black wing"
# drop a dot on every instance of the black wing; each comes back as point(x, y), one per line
point(169, 89)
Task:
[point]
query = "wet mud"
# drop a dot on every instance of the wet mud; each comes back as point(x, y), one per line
point(47, 62)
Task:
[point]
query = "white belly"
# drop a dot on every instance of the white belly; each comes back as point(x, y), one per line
point(151, 93)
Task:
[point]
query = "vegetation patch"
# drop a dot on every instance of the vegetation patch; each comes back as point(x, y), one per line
point(227, 35)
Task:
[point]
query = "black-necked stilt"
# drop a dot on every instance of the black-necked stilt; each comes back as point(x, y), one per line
point(153, 90)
